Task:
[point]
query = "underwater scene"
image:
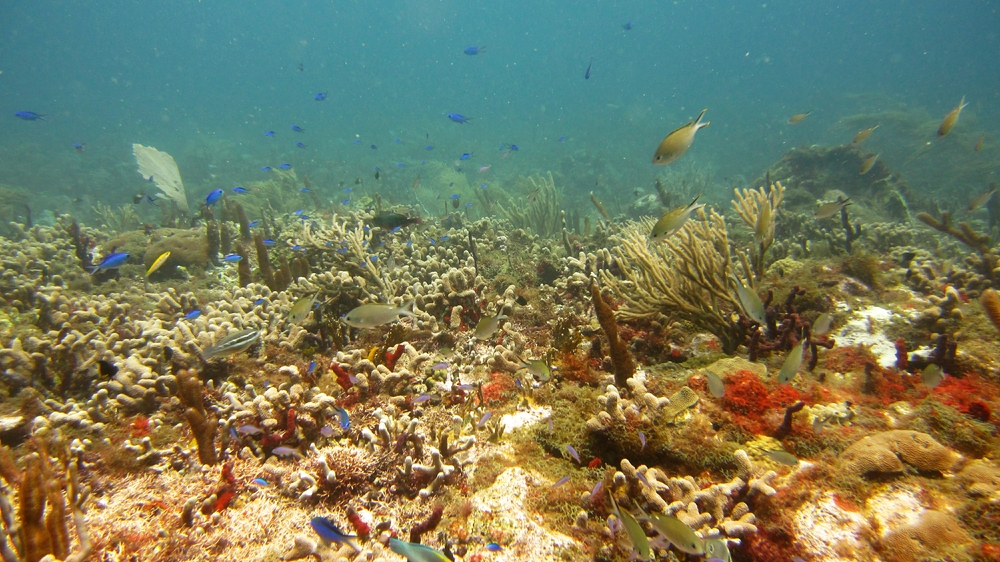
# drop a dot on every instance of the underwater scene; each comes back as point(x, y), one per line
point(433, 280)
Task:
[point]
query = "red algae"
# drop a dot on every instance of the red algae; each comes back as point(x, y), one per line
point(969, 394)
point(500, 387)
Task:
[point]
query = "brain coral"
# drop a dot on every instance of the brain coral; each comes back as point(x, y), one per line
point(887, 451)
point(935, 534)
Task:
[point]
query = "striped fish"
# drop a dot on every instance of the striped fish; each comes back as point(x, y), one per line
point(233, 343)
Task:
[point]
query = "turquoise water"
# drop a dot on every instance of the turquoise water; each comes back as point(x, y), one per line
point(205, 80)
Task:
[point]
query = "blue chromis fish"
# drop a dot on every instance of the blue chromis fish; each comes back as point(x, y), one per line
point(474, 50)
point(253, 224)
point(260, 482)
point(678, 141)
point(265, 168)
point(342, 417)
point(233, 343)
point(269, 242)
point(239, 189)
point(29, 116)
point(232, 258)
point(285, 166)
point(301, 309)
point(300, 144)
point(493, 547)
point(414, 552)
point(192, 315)
point(673, 220)
point(586, 75)
point(268, 133)
point(561, 481)
point(298, 129)
point(375, 314)
point(112, 261)
point(320, 96)
point(465, 156)
point(213, 197)
point(330, 533)
point(459, 118)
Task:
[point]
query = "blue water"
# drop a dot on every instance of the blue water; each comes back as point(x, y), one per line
point(204, 81)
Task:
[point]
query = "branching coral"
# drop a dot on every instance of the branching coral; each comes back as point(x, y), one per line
point(685, 277)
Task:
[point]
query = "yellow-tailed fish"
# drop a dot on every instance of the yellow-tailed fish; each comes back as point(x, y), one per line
point(982, 199)
point(417, 552)
point(538, 368)
point(979, 143)
point(158, 263)
point(791, 365)
point(375, 314)
point(301, 309)
point(763, 222)
point(672, 221)
point(868, 164)
point(932, 375)
point(640, 542)
point(798, 118)
point(678, 141)
point(753, 307)
point(678, 533)
point(951, 118)
point(863, 135)
point(827, 210)
point(486, 327)
point(822, 324)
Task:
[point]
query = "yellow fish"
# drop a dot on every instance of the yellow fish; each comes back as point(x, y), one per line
point(979, 143)
point(951, 118)
point(798, 118)
point(158, 263)
point(863, 135)
point(867, 164)
point(678, 141)
point(301, 309)
point(672, 221)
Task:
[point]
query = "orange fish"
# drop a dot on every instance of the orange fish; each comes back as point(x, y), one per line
point(951, 118)
point(798, 118)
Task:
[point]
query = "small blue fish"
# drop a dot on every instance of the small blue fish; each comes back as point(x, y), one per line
point(397, 141)
point(79, 147)
point(259, 302)
point(459, 118)
point(326, 431)
point(514, 147)
point(312, 367)
point(298, 129)
point(572, 452)
point(239, 189)
point(268, 242)
point(562, 139)
point(374, 147)
point(113, 261)
point(642, 440)
point(409, 243)
point(455, 196)
point(468, 204)
point(286, 452)
point(342, 418)
point(341, 250)
point(269, 134)
point(330, 533)
point(305, 190)
point(357, 141)
point(597, 488)
point(29, 116)
point(265, 169)
point(249, 430)
point(213, 197)
point(433, 241)
point(253, 224)
point(348, 190)
point(345, 201)
point(465, 156)
point(444, 239)
point(561, 481)
point(232, 258)
point(493, 547)
point(439, 366)
point(474, 50)
point(285, 166)
point(299, 212)
point(399, 164)
point(300, 144)
point(428, 147)
point(296, 247)
point(627, 26)
point(422, 398)
point(482, 421)
point(320, 97)
point(586, 75)
point(260, 482)
point(192, 315)
point(484, 186)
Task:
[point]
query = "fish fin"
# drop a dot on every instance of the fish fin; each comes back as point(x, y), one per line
point(407, 308)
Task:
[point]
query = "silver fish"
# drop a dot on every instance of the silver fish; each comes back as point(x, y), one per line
point(375, 314)
point(827, 210)
point(233, 343)
point(715, 384)
point(677, 532)
point(488, 326)
point(932, 375)
point(791, 365)
point(301, 309)
point(752, 305)
point(822, 324)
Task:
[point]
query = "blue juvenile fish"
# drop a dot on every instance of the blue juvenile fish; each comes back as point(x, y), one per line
point(79, 147)
point(455, 196)
point(249, 430)
point(232, 258)
point(192, 315)
point(562, 139)
point(269, 134)
point(113, 261)
point(627, 26)
point(474, 50)
point(300, 145)
point(259, 302)
point(296, 247)
point(465, 156)
point(260, 482)
point(330, 533)
point(342, 418)
point(299, 212)
point(213, 197)
point(459, 118)
point(29, 116)
point(253, 224)
point(320, 97)
point(468, 204)
point(561, 481)
point(428, 147)
point(493, 547)
point(239, 189)
point(312, 367)
point(268, 242)
point(586, 75)
point(345, 201)
point(348, 190)
point(285, 166)
point(265, 169)
point(298, 129)
point(572, 452)
point(514, 147)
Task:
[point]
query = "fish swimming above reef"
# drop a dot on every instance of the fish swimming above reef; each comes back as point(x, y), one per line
point(981, 199)
point(112, 261)
point(798, 118)
point(791, 365)
point(414, 552)
point(233, 343)
point(672, 221)
point(950, 119)
point(863, 134)
point(371, 315)
point(390, 220)
point(330, 533)
point(29, 116)
point(867, 165)
point(674, 145)
point(822, 324)
point(486, 327)
point(459, 118)
point(474, 50)
point(752, 305)
point(781, 456)
point(827, 210)
point(538, 369)
point(715, 384)
point(301, 309)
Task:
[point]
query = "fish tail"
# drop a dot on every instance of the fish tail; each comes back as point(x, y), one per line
point(407, 308)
